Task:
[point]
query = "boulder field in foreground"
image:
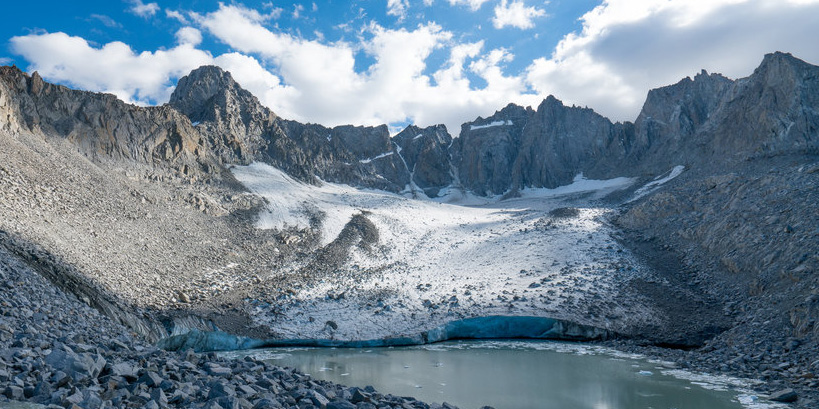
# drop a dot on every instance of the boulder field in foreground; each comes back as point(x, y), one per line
point(57, 351)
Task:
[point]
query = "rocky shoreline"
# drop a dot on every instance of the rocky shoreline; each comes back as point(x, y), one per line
point(58, 352)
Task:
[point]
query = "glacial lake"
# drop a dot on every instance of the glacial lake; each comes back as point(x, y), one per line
point(517, 375)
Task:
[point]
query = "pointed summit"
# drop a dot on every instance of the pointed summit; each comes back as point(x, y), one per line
point(779, 57)
point(781, 70)
point(198, 93)
point(680, 109)
point(232, 118)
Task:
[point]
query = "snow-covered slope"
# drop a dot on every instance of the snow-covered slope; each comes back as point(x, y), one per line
point(547, 253)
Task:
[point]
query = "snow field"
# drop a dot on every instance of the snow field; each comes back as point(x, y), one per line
point(437, 262)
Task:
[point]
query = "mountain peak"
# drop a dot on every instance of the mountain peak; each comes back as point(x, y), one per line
point(778, 67)
point(197, 93)
point(778, 56)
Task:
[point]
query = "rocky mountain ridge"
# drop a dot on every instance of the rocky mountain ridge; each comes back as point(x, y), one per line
point(709, 122)
point(100, 125)
point(713, 119)
point(690, 123)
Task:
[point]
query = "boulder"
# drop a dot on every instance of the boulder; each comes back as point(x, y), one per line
point(787, 395)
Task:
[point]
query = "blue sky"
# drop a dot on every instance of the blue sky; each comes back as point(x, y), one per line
point(404, 61)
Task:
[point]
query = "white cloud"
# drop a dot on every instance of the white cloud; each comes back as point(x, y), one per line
point(397, 8)
point(319, 82)
point(106, 20)
point(143, 78)
point(143, 10)
point(297, 9)
point(5, 61)
point(627, 47)
point(176, 15)
point(189, 35)
point(515, 14)
point(252, 76)
point(474, 5)
point(323, 75)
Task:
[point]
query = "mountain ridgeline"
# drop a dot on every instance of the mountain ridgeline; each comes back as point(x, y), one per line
point(211, 122)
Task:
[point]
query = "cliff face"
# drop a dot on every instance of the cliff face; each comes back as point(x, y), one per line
point(713, 122)
point(774, 111)
point(230, 118)
point(518, 148)
point(708, 122)
point(100, 125)
point(241, 130)
point(425, 154)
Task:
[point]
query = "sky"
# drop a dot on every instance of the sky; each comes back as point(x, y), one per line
point(401, 62)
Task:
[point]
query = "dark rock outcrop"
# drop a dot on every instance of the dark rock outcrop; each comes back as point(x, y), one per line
point(713, 122)
point(672, 115)
point(774, 111)
point(709, 122)
point(241, 130)
point(425, 153)
point(101, 125)
point(231, 118)
point(519, 147)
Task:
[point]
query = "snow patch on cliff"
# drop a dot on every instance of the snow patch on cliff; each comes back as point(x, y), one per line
point(656, 183)
point(383, 155)
point(492, 124)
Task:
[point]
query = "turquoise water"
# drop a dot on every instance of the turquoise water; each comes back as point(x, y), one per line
point(514, 375)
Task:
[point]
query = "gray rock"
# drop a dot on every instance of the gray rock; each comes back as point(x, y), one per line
point(78, 366)
point(14, 392)
point(158, 396)
point(359, 396)
point(340, 404)
point(125, 370)
point(151, 379)
point(221, 389)
point(265, 403)
point(787, 395)
point(316, 398)
point(217, 370)
point(246, 390)
point(91, 400)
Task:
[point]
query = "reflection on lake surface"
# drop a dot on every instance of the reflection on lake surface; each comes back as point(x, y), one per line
point(515, 375)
